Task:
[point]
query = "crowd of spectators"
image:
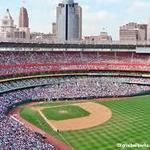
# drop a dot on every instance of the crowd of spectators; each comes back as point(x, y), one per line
point(23, 57)
point(13, 134)
point(35, 82)
point(59, 67)
point(26, 83)
point(30, 62)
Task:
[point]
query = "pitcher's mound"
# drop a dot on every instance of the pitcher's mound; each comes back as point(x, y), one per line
point(63, 112)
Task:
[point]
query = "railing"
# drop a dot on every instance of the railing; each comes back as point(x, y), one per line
point(75, 42)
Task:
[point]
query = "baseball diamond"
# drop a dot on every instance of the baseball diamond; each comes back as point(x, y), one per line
point(125, 117)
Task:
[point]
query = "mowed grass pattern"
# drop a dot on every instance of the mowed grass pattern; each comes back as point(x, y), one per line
point(64, 112)
point(36, 119)
point(130, 123)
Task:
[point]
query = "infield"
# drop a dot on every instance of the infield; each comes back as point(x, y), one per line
point(98, 115)
point(64, 112)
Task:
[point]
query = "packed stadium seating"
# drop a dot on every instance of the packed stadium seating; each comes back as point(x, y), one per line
point(35, 82)
point(14, 135)
point(19, 62)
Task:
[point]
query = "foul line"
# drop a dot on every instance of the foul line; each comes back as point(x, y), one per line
point(47, 121)
point(54, 128)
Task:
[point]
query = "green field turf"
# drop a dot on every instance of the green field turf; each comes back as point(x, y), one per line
point(130, 123)
point(35, 118)
point(47, 104)
point(64, 112)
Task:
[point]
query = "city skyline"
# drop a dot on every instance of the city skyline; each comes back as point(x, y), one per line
point(96, 14)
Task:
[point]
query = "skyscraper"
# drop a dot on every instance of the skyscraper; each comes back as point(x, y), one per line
point(54, 28)
point(24, 23)
point(69, 21)
point(23, 18)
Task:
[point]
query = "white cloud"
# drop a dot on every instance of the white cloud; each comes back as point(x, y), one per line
point(93, 21)
point(138, 6)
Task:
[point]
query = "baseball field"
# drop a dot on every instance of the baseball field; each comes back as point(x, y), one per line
point(94, 125)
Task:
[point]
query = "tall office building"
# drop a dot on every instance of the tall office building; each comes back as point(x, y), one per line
point(24, 23)
point(69, 21)
point(23, 18)
point(54, 28)
point(133, 32)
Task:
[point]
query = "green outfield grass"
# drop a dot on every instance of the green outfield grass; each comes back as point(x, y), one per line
point(35, 118)
point(64, 112)
point(130, 123)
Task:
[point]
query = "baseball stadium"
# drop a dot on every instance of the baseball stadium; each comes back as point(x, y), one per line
point(74, 96)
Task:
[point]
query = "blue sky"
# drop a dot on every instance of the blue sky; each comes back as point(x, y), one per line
point(97, 14)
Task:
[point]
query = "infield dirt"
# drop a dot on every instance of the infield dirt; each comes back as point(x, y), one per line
point(99, 114)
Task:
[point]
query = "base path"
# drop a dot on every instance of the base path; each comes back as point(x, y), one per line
point(98, 115)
